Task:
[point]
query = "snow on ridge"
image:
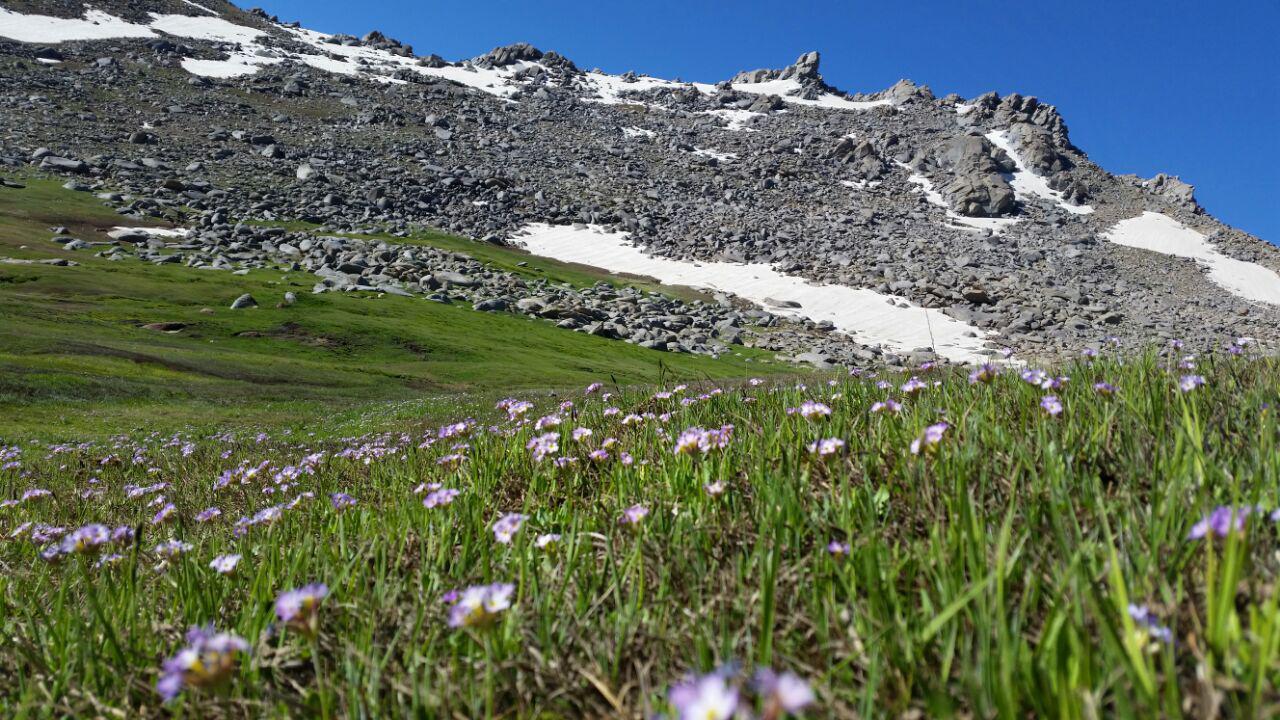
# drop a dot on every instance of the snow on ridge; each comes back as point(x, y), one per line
point(1160, 233)
point(374, 63)
point(784, 88)
point(1026, 183)
point(865, 314)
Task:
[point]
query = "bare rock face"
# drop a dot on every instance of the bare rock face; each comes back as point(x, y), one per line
point(509, 55)
point(804, 70)
point(1173, 189)
point(977, 187)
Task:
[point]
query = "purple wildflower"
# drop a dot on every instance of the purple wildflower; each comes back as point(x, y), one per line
point(341, 501)
point(983, 374)
point(1051, 405)
point(225, 564)
point(709, 697)
point(298, 608)
point(931, 436)
point(1221, 522)
point(1187, 383)
point(784, 693)
point(209, 660)
point(633, 515)
point(544, 445)
point(913, 386)
point(87, 539)
point(507, 526)
point(826, 447)
point(810, 410)
point(888, 405)
point(1149, 623)
point(440, 497)
point(480, 605)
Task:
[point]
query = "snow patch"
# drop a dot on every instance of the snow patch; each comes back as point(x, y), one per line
point(1026, 183)
point(737, 120)
point(158, 232)
point(610, 88)
point(964, 108)
point(638, 132)
point(715, 154)
point(95, 25)
point(1160, 233)
point(204, 28)
point(864, 314)
point(237, 65)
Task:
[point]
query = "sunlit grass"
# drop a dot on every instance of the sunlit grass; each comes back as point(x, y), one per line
point(989, 575)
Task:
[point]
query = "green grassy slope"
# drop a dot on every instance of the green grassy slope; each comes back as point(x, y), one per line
point(75, 358)
point(988, 576)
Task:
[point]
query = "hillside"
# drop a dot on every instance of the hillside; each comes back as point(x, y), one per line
point(961, 226)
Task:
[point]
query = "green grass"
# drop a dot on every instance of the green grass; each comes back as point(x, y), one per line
point(76, 361)
point(986, 577)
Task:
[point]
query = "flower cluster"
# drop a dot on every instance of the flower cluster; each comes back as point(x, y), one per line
point(720, 695)
point(209, 659)
point(697, 440)
point(810, 410)
point(480, 605)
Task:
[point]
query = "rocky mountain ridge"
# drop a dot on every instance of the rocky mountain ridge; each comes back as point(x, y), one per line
point(982, 209)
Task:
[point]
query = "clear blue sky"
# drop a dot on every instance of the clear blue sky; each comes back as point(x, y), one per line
point(1190, 88)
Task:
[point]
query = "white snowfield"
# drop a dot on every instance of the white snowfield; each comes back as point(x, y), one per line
point(204, 28)
point(378, 65)
point(1160, 233)
point(995, 225)
point(864, 314)
point(1026, 183)
point(95, 25)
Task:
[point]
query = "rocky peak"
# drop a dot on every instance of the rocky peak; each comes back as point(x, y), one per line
point(804, 70)
point(1173, 189)
point(509, 55)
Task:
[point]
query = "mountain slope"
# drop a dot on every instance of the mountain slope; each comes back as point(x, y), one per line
point(980, 210)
